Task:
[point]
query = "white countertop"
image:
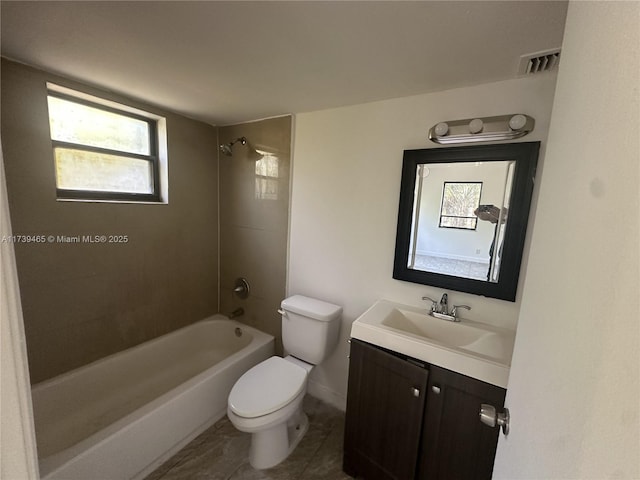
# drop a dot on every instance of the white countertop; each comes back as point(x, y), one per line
point(474, 349)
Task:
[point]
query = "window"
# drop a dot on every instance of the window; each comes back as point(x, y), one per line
point(459, 200)
point(267, 176)
point(104, 151)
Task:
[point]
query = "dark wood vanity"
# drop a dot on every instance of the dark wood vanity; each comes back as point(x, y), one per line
point(407, 419)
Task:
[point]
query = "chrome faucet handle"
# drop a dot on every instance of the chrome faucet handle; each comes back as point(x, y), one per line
point(434, 304)
point(454, 312)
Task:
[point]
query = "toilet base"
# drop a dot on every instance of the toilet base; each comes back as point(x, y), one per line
point(270, 447)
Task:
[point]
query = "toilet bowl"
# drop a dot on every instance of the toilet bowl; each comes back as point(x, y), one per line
point(273, 416)
point(267, 400)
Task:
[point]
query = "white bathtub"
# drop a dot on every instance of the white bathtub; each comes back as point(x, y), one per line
point(122, 416)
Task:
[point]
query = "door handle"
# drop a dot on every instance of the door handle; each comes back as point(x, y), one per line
point(489, 417)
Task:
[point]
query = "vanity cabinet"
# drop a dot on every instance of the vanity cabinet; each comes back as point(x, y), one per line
point(385, 403)
point(455, 444)
point(410, 420)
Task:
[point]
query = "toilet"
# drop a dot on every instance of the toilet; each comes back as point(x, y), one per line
point(267, 400)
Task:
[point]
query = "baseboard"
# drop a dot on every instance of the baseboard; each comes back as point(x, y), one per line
point(322, 392)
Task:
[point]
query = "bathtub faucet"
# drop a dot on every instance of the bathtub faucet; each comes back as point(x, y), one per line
point(236, 313)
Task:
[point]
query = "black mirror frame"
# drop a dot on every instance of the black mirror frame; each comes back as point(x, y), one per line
point(525, 155)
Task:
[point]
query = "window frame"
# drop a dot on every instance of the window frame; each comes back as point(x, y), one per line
point(153, 157)
point(475, 218)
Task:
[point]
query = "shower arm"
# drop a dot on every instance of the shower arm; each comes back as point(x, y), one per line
point(227, 148)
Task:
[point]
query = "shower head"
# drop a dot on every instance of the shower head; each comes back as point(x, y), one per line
point(227, 148)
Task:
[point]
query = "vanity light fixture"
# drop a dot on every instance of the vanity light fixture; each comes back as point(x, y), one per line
point(475, 125)
point(441, 129)
point(517, 122)
point(487, 129)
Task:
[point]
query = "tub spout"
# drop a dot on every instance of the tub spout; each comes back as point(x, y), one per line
point(236, 313)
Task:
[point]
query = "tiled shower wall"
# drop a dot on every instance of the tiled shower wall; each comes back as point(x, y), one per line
point(82, 302)
point(254, 219)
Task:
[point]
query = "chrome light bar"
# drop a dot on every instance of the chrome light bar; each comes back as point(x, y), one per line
point(487, 129)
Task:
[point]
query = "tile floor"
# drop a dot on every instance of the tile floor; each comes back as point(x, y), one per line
point(221, 452)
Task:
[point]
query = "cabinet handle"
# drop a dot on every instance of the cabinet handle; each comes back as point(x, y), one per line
point(415, 391)
point(435, 389)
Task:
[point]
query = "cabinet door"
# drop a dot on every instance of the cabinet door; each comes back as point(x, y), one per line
point(456, 445)
point(385, 405)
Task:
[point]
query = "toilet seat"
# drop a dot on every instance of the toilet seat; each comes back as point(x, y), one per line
point(267, 387)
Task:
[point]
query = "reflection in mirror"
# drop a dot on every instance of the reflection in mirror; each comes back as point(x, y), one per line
point(463, 216)
point(459, 218)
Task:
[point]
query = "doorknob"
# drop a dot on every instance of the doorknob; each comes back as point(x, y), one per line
point(489, 417)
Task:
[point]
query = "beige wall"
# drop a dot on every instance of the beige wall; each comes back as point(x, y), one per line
point(84, 301)
point(253, 231)
point(575, 378)
point(346, 183)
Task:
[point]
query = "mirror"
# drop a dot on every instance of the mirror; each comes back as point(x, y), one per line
point(463, 217)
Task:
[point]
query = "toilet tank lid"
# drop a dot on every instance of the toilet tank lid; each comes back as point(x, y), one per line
point(311, 307)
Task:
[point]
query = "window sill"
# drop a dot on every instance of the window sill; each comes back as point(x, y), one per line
point(137, 202)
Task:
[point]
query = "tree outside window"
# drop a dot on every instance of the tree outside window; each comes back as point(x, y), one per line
point(459, 200)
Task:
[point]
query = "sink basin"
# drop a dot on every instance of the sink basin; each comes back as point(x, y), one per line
point(492, 345)
point(475, 349)
point(424, 325)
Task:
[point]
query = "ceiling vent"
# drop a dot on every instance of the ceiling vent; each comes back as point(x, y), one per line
point(539, 62)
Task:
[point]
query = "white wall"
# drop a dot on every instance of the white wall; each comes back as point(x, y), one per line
point(345, 190)
point(573, 391)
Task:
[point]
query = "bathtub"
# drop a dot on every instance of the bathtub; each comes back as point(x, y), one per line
point(122, 416)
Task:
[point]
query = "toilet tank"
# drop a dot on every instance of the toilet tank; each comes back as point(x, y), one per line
point(310, 328)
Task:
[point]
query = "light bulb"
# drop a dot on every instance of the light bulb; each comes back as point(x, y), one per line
point(517, 122)
point(475, 125)
point(441, 129)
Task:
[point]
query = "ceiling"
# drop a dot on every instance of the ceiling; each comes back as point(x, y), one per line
point(230, 62)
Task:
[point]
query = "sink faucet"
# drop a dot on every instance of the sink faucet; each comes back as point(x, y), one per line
point(444, 306)
point(441, 309)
